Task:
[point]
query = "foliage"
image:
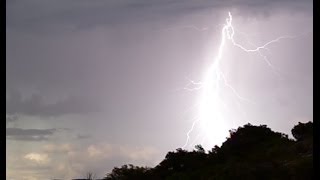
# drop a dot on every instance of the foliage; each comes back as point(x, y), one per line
point(128, 172)
point(302, 131)
point(251, 152)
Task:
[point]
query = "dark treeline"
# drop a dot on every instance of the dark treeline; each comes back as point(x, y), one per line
point(251, 152)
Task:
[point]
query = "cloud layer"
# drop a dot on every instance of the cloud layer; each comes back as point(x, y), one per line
point(73, 161)
point(19, 134)
point(84, 13)
point(35, 106)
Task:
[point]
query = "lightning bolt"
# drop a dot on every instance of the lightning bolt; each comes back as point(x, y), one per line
point(211, 106)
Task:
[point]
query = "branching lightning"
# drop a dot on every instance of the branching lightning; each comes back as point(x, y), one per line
point(211, 105)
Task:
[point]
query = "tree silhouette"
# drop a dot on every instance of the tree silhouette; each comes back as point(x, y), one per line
point(199, 148)
point(302, 131)
point(127, 172)
point(250, 152)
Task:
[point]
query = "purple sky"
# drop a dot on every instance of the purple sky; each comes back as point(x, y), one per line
point(97, 84)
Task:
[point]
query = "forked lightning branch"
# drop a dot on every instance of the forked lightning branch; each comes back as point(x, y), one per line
point(211, 117)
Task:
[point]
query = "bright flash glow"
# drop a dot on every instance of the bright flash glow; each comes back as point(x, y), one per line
point(212, 115)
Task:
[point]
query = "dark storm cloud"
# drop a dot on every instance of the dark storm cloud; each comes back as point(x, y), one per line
point(35, 106)
point(74, 62)
point(83, 13)
point(19, 134)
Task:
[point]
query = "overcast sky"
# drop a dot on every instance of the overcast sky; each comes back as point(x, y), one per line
point(97, 84)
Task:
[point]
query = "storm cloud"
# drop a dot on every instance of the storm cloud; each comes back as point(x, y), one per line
point(84, 14)
point(11, 118)
point(35, 106)
point(19, 134)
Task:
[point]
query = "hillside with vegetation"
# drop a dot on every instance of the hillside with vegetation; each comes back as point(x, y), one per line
point(251, 152)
